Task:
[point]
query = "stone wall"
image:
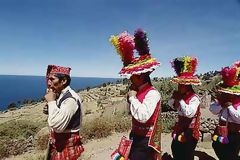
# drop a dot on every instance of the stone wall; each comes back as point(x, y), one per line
point(207, 127)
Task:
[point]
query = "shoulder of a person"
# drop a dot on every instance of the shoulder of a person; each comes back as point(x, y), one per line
point(153, 92)
point(74, 94)
point(195, 97)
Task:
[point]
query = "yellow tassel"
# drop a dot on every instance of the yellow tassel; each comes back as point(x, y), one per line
point(215, 137)
point(187, 64)
point(238, 71)
point(115, 43)
point(180, 138)
point(122, 158)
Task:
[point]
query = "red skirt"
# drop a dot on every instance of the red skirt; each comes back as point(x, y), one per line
point(65, 146)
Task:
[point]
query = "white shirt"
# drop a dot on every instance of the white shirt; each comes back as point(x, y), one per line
point(59, 118)
point(233, 115)
point(142, 112)
point(186, 110)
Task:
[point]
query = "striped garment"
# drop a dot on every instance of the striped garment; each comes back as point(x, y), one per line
point(65, 146)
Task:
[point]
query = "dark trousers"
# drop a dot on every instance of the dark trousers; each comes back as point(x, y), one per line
point(228, 151)
point(184, 151)
point(140, 149)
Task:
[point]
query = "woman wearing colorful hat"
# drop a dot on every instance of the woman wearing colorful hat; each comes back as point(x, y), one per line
point(226, 139)
point(143, 98)
point(186, 102)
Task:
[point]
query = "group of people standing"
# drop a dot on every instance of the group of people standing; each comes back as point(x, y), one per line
point(64, 107)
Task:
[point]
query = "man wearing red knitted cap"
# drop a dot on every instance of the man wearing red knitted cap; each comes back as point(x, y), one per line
point(64, 115)
point(144, 100)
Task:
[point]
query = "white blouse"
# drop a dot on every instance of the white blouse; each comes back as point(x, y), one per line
point(230, 112)
point(186, 110)
point(142, 112)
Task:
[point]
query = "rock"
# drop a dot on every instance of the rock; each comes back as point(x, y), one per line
point(204, 130)
point(212, 127)
point(207, 137)
point(204, 125)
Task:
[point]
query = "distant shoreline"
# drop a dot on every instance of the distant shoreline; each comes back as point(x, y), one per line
point(18, 89)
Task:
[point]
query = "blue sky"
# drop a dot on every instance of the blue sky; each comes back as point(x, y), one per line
point(35, 33)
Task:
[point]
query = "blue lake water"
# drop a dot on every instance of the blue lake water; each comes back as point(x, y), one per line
point(15, 88)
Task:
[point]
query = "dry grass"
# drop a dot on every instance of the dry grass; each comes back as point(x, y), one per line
point(103, 127)
point(14, 136)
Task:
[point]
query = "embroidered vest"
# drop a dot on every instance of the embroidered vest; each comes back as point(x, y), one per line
point(76, 119)
point(184, 123)
point(152, 128)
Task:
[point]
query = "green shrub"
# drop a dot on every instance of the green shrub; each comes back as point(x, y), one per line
point(19, 128)
point(14, 136)
point(168, 125)
point(166, 88)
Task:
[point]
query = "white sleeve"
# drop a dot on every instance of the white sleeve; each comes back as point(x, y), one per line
point(189, 110)
point(142, 112)
point(234, 113)
point(215, 108)
point(59, 118)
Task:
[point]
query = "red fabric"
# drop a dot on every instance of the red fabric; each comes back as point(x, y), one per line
point(229, 76)
point(58, 70)
point(185, 123)
point(236, 102)
point(65, 146)
point(148, 129)
point(186, 74)
point(144, 129)
point(124, 147)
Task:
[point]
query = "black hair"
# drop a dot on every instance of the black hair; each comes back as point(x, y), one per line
point(190, 87)
point(147, 78)
point(63, 77)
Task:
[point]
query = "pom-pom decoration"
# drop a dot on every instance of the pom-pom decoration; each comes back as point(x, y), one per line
point(180, 138)
point(229, 76)
point(223, 140)
point(237, 65)
point(231, 79)
point(124, 44)
point(141, 42)
point(185, 67)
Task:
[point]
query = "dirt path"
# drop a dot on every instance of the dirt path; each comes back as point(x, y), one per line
point(102, 149)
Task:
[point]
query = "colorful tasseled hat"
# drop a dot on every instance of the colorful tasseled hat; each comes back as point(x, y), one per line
point(125, 45)
point(230, 79)
point(185, 67)
point(58, 70)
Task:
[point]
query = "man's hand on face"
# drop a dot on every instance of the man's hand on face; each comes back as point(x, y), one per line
point(50, 96)
point(132, 93)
